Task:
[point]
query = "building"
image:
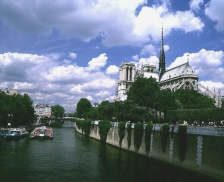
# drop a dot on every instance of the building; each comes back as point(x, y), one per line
point(179, 77)
point(42, 110)
point(10, 91)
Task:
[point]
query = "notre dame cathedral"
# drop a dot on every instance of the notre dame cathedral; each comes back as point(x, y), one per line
point(180, 77)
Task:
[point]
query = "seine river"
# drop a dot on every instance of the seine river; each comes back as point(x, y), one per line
point(73, 157)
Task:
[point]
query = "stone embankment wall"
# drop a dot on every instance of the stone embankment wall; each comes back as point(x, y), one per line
point(205, 147)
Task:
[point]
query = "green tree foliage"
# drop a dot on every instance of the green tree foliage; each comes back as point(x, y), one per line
point(104, 126)
point(129, 130)
point(165, 101)
point(86, 124)
point(206, 114)
point(16, 109)
point(143, 91)
point(92, 114)
point(138, 133)
point(57, 111)
point(192, 99)
point(222, 103)
point(83, 106)
point(121, 131)
point(106, 110)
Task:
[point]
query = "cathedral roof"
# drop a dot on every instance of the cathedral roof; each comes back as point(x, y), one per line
point(179, 71)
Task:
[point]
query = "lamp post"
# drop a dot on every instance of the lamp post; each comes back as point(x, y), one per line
point(11, 120)
point(8, 121)
point(0, 122)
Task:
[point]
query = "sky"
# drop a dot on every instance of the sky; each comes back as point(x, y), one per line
point(59, 51)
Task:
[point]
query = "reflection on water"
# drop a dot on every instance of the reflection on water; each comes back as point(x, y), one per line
point(73, 157)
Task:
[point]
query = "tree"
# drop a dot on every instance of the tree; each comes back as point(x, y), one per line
point(143, 90)
point(16, 109)
point(222, 103)
point(192, 99)
point(83, 106)
point(106, 110)
point(165, 101)
point(57, 111)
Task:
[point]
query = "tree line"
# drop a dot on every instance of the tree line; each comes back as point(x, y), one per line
point(145, 102)
point(16, 109)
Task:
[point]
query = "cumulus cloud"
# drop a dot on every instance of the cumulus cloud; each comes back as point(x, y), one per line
point(195, 4)
point(116, 21)
point(112, 69)
point(149, 49)
point(214, 10)
point(152, 60)
point(135, 57)
point(47, 80)
point(72, 55)
point(166, 48)
point(97, 62)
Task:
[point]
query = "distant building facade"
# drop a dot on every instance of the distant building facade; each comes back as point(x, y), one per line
point(179, 77)
point(10, 91)
point(42, 110)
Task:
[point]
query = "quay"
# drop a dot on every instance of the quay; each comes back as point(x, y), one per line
point(204, 152)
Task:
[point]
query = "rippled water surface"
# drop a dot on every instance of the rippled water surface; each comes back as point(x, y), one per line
point(73, 157)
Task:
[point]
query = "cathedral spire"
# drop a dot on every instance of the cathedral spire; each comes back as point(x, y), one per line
point(162, 63)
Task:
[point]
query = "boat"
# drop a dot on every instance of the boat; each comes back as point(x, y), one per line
point(42, 132)
point(16, 133)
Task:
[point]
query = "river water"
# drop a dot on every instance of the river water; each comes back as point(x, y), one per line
point(72, 157)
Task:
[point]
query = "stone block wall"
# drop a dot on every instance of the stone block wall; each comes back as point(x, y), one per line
point(205, 153)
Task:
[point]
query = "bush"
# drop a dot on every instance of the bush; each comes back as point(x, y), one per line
point(86, 124)
point(148, 133)
point(121, 131)
point(138, 133)
point(104, 127)
point(129, 130)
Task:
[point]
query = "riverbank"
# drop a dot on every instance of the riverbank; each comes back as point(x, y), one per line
point(204, 154)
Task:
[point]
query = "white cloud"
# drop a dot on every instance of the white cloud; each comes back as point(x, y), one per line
point(97, 62)
point(135, 57)
point(116, 21)
point(47, 80)
point(112, 69)
point(90, 98)
point(72, 55)
point(24, 85)
point(149, 49)
point(166, 48)
point(103, 94)
point(152, 60)
point(195, 4)
point(214, 10)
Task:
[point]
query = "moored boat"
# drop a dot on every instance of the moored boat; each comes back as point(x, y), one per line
point(42, 132)
point(16, 133)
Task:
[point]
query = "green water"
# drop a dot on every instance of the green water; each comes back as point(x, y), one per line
point(73, 157)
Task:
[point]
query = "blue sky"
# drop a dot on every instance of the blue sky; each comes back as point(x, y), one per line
point(59, 51)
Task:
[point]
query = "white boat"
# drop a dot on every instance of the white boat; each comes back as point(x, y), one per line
point(42, 132)
point(16, 133)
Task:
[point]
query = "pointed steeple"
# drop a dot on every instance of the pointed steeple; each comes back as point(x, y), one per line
point(162, 63)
